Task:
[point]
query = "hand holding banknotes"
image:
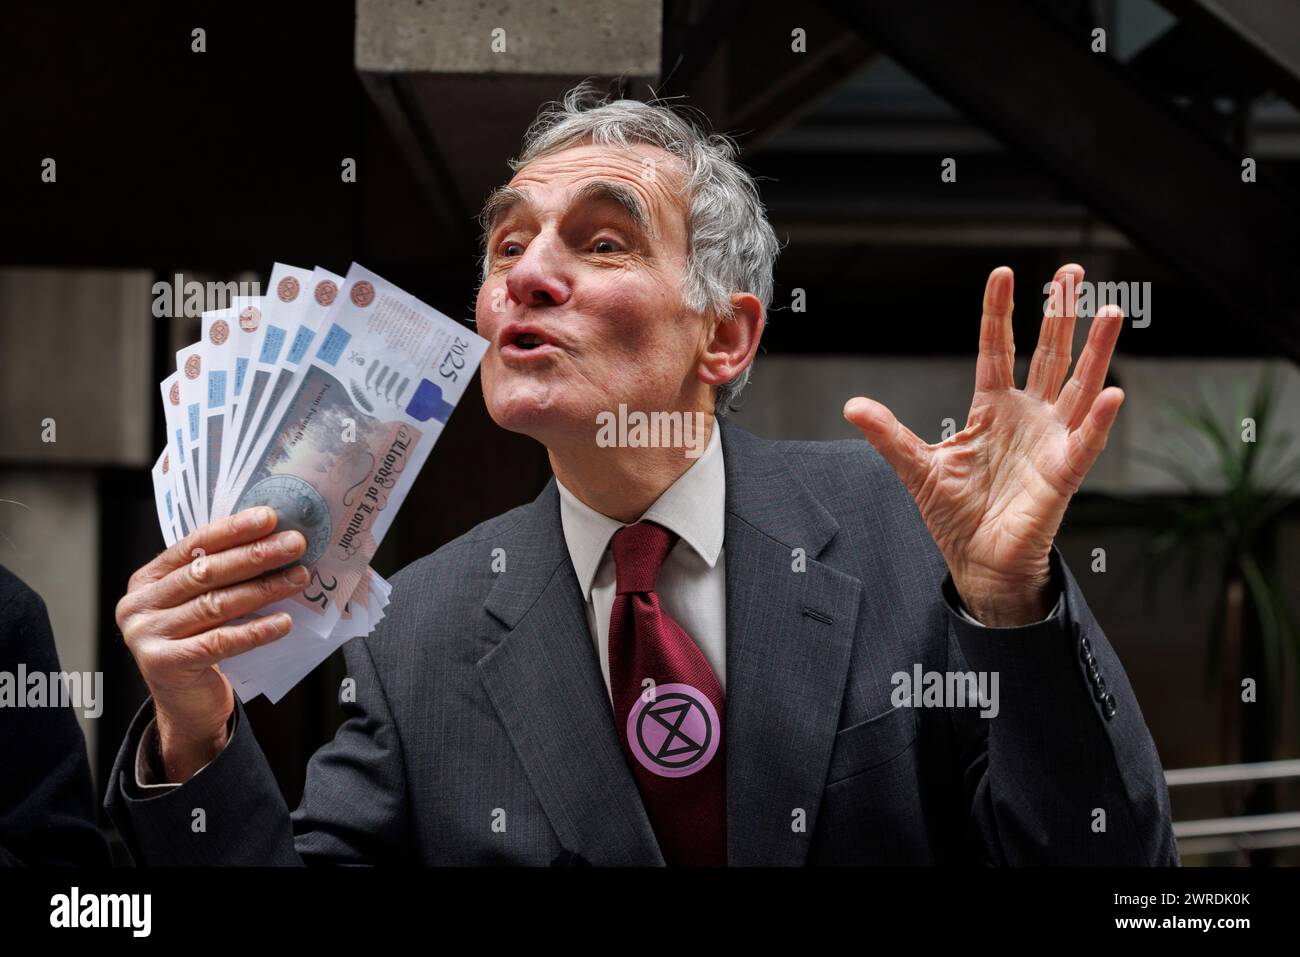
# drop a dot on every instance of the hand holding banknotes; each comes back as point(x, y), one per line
point(296, 426)
point(177, 616)
point(320, 400)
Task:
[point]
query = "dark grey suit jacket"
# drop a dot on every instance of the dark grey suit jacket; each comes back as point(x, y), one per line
point(482, 732)
point(47, 800)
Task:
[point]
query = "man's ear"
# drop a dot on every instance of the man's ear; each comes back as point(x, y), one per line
point(731, 343)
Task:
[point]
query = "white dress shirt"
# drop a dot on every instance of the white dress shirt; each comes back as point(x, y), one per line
point(692, 584)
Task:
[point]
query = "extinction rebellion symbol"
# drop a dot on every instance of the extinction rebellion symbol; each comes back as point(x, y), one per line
point(676, 734)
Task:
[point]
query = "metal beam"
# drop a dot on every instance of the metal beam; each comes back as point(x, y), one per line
point(1247, 824)
point(1131, 157)
point(1233, 773)
point(691, 42)
point(415, 140)
point(1266, 30)
point(734, 60)
point(766, 101)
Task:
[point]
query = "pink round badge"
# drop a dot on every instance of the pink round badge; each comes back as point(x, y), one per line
point(676, 734)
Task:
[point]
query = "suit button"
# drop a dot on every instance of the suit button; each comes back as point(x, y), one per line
point(1108, 707)
point(1090, 663)
point(1093, 674)
point(1085, 649)
point(1099, 689)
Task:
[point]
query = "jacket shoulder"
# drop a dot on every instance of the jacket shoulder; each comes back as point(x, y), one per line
point(24, 625)
point(436, 599)
point(464, 562)
point(841, 466)
point(864, 494)
point(454, 555)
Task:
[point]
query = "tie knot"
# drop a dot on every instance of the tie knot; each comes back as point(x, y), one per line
point(639, 552)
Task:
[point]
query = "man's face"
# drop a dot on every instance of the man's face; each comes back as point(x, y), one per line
point(589, 258)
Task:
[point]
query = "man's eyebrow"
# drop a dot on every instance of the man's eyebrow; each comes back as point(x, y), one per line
point(602, 191)
point(505, 198)
point(499, 202)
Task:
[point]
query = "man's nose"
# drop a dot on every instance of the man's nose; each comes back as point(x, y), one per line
point(538, 277)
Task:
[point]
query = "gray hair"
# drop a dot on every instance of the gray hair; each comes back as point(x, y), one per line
point(732, 247)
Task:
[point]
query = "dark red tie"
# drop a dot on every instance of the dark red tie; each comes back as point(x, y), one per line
point(668, 707)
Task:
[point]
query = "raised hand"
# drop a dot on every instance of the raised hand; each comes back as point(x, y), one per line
point(174, 620)
point(994, 494)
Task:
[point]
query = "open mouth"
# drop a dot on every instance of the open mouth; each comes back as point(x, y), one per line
point(527, 346)
point(528, 341)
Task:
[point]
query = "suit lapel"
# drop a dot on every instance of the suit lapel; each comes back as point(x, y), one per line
point(790, 626)
point(545, 683)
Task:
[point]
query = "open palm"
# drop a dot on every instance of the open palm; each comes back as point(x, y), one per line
point(994, 494)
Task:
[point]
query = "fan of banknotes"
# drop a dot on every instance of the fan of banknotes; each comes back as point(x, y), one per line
point(321, 400)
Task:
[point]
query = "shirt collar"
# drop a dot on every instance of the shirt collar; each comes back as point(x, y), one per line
point(693, 507)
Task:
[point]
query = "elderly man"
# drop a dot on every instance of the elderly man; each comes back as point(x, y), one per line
point(745, 656)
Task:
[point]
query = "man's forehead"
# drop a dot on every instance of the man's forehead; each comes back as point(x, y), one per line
point(633, 178)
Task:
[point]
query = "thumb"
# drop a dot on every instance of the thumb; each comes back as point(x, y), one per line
point(897, 444)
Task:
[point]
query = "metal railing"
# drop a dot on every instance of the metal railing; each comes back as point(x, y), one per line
point(1243, 833)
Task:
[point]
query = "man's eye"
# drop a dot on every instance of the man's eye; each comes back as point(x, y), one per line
point(605, 246)
point(517, 248)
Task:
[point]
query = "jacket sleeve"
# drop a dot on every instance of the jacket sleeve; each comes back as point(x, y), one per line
point(353, 809)
point(1066, 772)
